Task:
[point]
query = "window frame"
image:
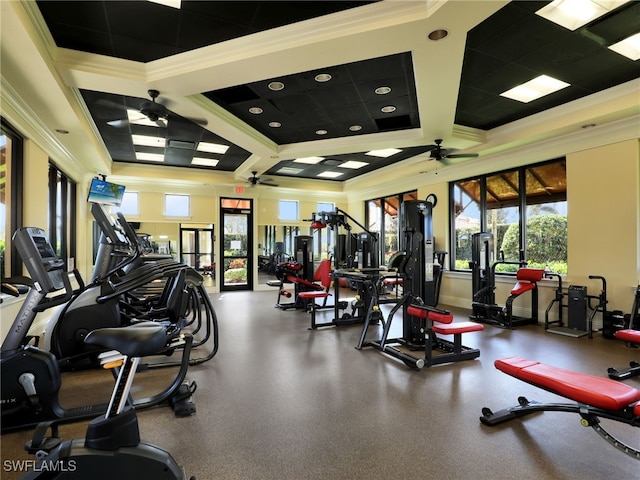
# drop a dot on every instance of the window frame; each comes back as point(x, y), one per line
point(62, 207)
point(15, 203)
point(483, 208)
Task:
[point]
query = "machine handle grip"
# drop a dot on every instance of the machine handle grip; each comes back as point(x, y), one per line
point(58, 299)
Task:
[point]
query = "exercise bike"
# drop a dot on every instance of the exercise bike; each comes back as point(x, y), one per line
point(112, 447)
point(30, 376)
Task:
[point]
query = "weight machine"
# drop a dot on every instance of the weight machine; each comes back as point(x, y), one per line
point(579, 302)
point(422, 322)
point(483, 275)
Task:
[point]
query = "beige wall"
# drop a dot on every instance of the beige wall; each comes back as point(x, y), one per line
point(603, 192)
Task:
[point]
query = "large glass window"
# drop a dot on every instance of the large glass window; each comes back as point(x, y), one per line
point(525, 209)
point(10, 197)
point(324, 237)
point(381, 217)
point(62, 214)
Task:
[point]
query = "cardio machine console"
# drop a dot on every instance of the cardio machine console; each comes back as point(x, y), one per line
point(44, 266)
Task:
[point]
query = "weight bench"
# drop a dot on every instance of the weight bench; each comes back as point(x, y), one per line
point(594, 397)
point(439, 323)
point(632, 337)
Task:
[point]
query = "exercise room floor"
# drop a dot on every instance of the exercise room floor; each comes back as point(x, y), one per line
point(281, 402)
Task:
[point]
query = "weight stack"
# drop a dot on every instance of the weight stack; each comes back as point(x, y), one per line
point(612, 322)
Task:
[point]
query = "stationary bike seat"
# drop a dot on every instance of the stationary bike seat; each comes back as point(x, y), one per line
point(137, 340)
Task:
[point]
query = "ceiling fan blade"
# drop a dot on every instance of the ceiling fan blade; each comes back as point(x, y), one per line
point(118, 123)
point(463, 155)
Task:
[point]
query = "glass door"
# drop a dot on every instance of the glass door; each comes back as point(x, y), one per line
point(237, 244)
point(196, 249)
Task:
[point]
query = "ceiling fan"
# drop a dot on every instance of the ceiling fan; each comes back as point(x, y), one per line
point(155, 112)
point(255, 180)
point(439, 153)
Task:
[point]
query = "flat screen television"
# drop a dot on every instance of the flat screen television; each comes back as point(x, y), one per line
point(105, 193)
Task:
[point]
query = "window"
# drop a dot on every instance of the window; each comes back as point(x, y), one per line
point(129, 205)
point(288, 210)
point(176, 205)
point(525, 209)
point(324, 237)
point(10, 197)
point(381, 217)
point(62, 214)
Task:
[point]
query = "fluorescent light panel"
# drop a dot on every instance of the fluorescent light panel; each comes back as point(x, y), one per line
point(629, 47)
point(150, 157)
point(573, 14)
point(309, 160)
point(354, 164)
point(212, 147)
point(204, 162)
point(148, 141)
point(384, 153)
point(290, 170)
point(168, 3)
point(137, 118)
point(329, 174)
point(534, 89)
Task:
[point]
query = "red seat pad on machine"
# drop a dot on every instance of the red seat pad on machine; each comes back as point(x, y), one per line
point(416, 311)
point(632, 336)
point(588, 389)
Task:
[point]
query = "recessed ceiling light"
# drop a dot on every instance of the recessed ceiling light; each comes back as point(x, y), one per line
point(309, 160)
point(212, 147)
point(321, 132)
point(323, 77)
point(329, 174)
point(573, 14)
point(290, 170)
point(150, 157)
point(354, 164)
point(205, 162)
point(148, 141)
point(535, 88)
point(383, 153)
point(629, 47)
point(382, 90)
point(355, 128)
point(275, 124)
point(255, 110)
point(276, 86)
point(438, 34)
point(388, 109)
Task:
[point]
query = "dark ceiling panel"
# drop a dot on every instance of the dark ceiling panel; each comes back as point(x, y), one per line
point(511, 46)
point(305, 102)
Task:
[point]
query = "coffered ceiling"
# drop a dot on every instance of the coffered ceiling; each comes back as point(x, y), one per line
point(310, 89)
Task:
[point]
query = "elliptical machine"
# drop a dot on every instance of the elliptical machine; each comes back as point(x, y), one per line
point(30, 376)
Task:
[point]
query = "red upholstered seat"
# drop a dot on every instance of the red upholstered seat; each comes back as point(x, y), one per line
point(588, 389)
point(527, 278)
point(314, 294)
point(628, 335)
point(458, 327)
point(416, 311)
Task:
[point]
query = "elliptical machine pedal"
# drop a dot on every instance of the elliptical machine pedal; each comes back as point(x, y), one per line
point(182, 402)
